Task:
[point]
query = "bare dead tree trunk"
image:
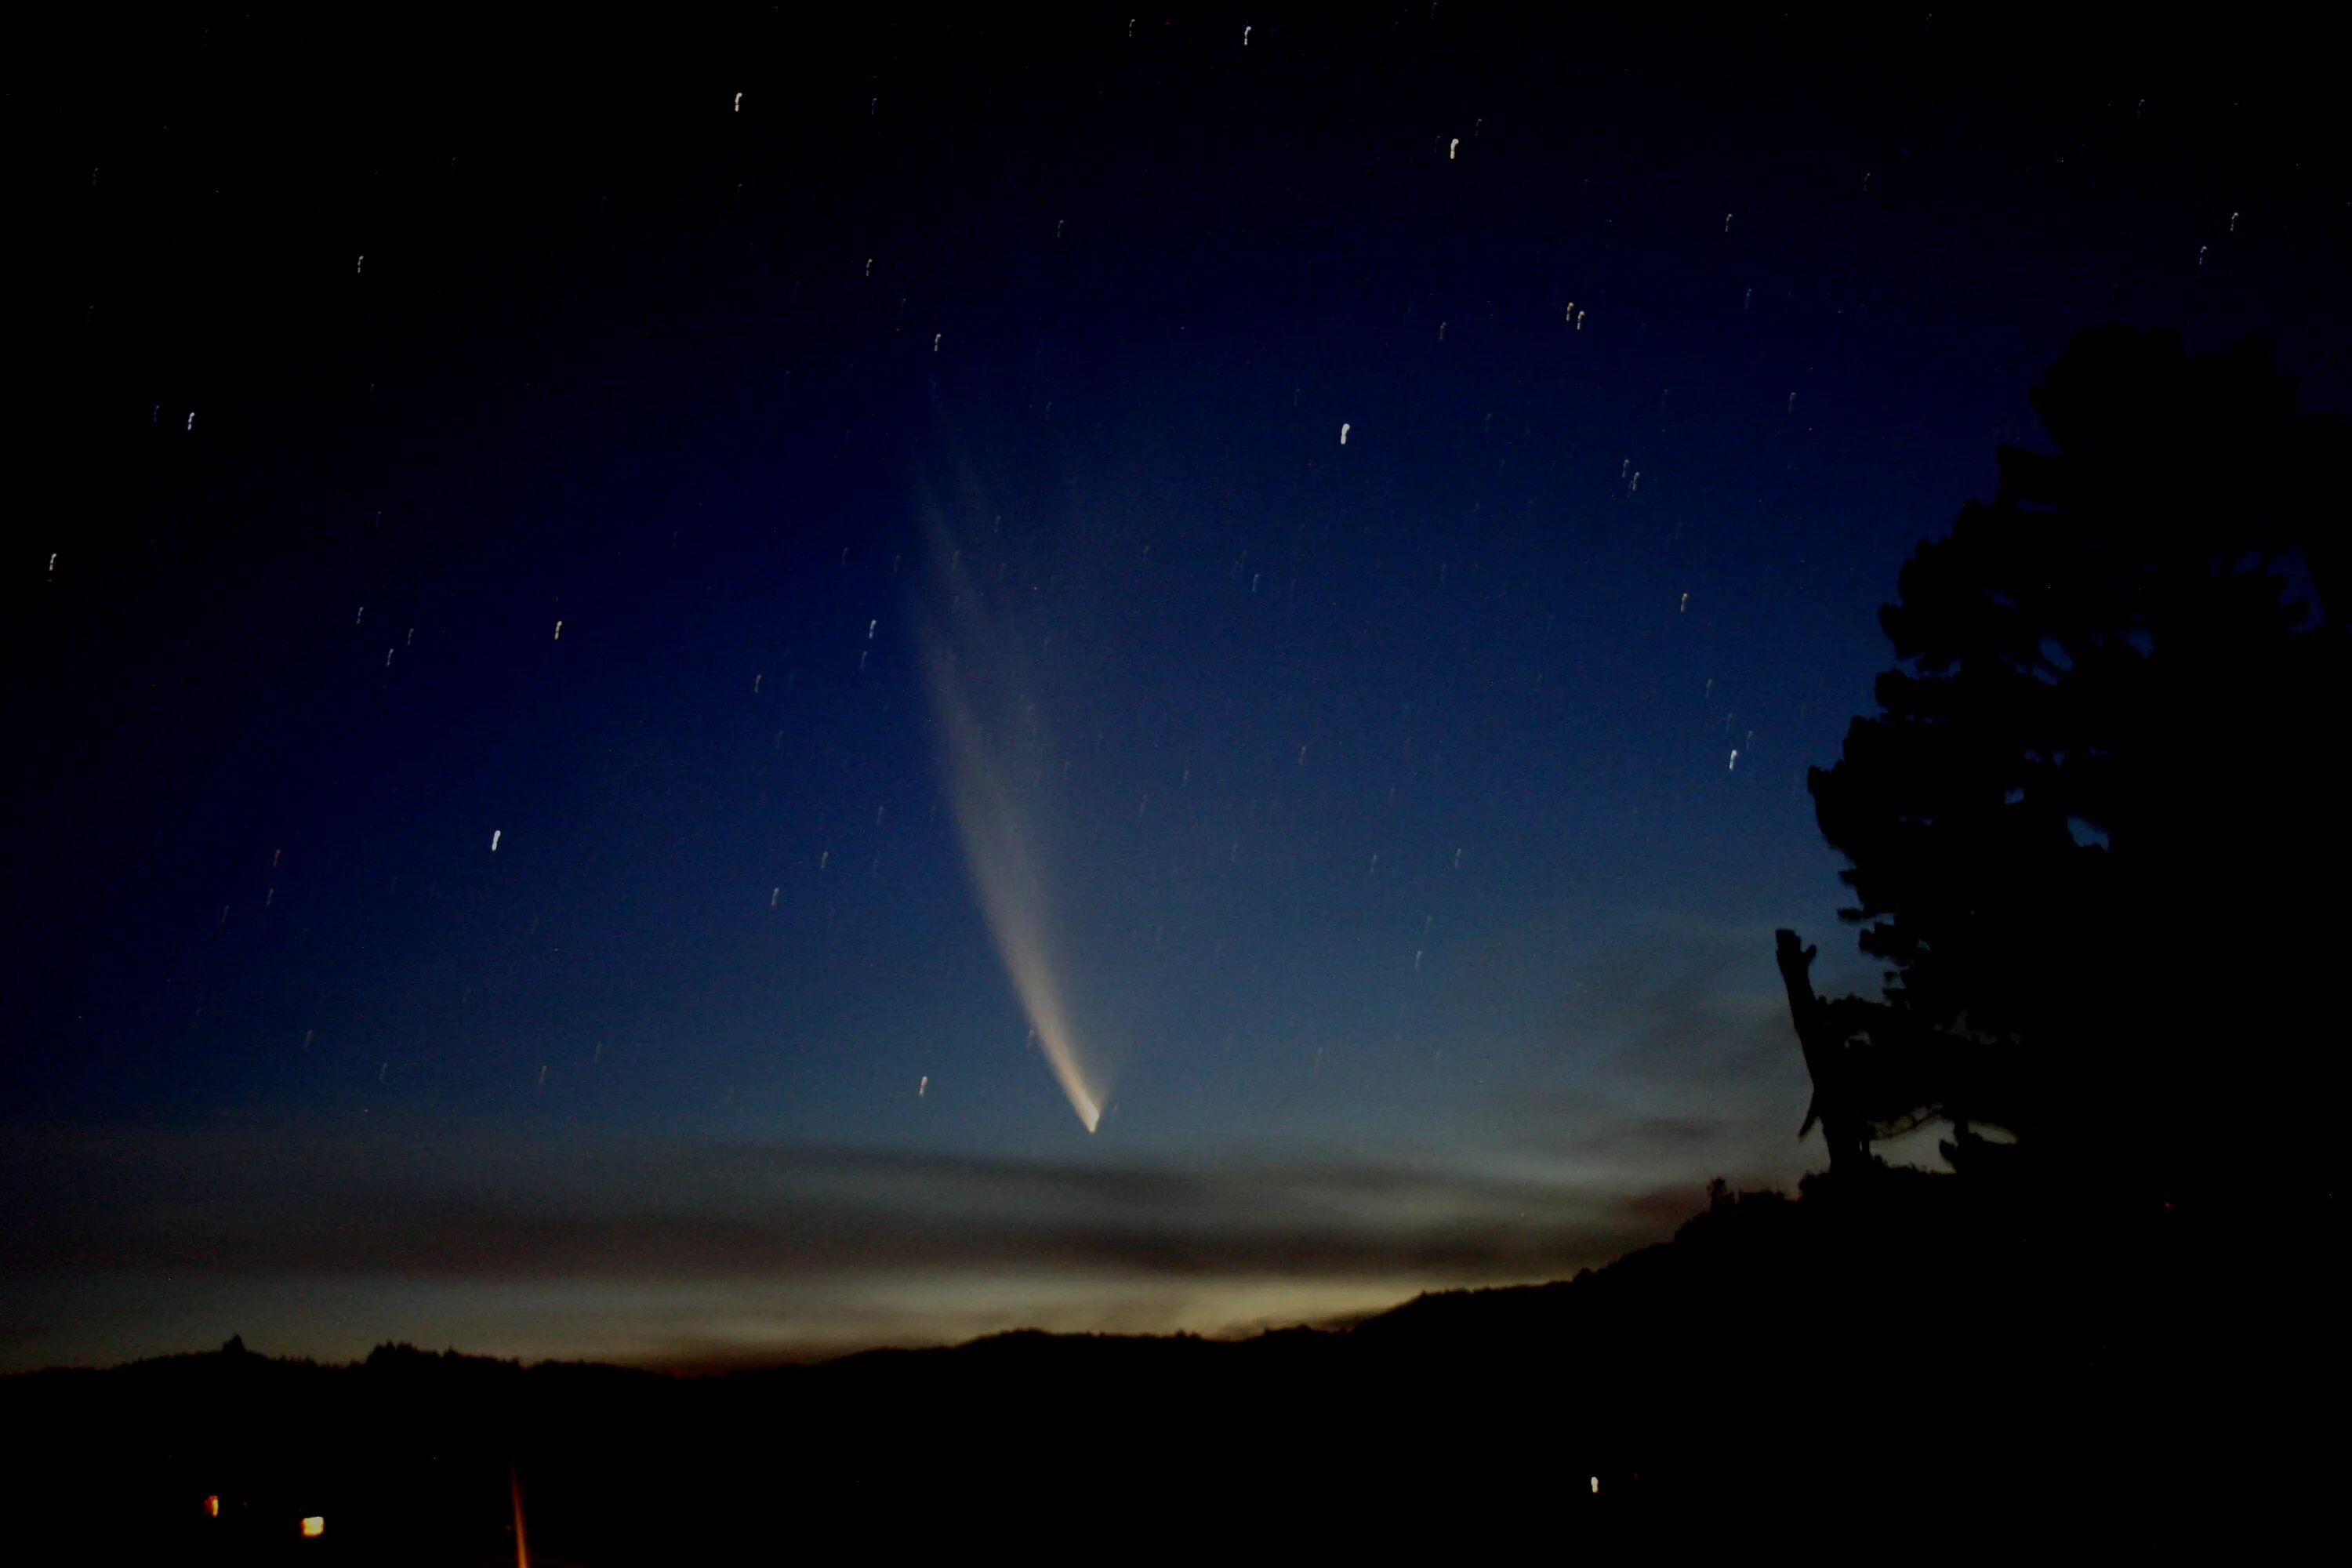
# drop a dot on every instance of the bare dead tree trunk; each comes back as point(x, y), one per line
point(1842, 1129)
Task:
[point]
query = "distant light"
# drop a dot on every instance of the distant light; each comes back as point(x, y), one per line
point(1596, 1486)
point(316, 1524)
point(212, 1505)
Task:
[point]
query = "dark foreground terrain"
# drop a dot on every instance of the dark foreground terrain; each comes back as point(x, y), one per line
point(1906, 1369)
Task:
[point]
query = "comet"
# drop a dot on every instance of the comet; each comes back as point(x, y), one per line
point(982, 702)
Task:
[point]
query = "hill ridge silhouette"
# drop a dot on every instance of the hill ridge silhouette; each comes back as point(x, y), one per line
point(1877, 1349)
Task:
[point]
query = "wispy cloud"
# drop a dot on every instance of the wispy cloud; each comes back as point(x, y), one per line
point(1668, 1052)
point(775, 1247)
point(481, 1208)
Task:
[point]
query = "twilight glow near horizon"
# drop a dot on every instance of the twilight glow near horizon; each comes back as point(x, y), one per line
point(928, 678)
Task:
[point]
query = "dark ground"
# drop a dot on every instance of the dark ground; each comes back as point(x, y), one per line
point(1915, 1373)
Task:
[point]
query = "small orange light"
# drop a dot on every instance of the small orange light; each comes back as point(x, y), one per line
point(212, 1505)
point(315, 1525)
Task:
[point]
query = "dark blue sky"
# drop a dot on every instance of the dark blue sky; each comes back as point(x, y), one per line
point(589, 656)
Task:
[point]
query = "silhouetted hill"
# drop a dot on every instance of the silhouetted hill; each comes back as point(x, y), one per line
point(1874, 1358)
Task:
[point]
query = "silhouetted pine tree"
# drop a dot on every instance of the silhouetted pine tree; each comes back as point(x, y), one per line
point(2096, 832)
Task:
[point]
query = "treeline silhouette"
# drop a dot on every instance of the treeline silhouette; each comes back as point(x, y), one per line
point(2096, 831)
point(1871, 1356)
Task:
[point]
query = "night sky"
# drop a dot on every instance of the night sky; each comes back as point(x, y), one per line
point(715, 696)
